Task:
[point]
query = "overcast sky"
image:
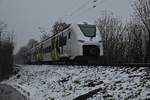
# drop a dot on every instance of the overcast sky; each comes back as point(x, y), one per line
point(25, 16)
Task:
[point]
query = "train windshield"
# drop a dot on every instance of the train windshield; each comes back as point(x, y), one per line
point(88, 30)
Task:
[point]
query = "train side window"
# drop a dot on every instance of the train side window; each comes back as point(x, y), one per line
point(43, 50)
point(57, 41)
point(53, 41)
point(46, 50)
point(40, 50)
point(60, 41)
point(49, 48)
point(69, 35)
point(64, 40)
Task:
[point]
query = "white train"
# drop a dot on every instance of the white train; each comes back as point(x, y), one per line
point(77, 42)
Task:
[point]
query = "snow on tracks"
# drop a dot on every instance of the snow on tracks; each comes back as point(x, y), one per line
point(49, 82)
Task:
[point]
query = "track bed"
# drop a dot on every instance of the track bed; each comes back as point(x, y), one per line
point(61, 82)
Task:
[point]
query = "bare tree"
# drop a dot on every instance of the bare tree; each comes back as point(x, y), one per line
point(135, 42)
point(59, 26)
point(112, 30)
point(142, 10)
point(6, 51)
point(31, 43)
point(45, 34)
point(20, 57)
point(56, 28)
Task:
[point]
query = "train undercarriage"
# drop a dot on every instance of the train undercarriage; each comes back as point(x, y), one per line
point(79, 60)
point(88, 61)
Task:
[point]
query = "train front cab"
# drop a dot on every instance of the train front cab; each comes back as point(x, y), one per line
point(90, 53)
point(89, 43)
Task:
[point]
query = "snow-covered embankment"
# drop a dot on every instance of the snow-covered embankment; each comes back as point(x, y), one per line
point(74, 82)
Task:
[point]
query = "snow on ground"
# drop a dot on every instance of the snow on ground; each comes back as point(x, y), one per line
point(47, 82)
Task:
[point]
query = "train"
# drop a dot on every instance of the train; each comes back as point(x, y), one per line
point(78, 42)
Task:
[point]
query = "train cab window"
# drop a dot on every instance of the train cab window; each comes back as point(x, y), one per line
point(88, 30)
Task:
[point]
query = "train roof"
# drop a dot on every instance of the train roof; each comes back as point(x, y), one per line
point(86, 25)
point(69, 25)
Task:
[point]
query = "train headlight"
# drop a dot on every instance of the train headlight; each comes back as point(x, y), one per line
point(81, 41)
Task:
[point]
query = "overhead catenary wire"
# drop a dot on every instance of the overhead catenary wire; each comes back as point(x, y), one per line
point(99, 2)
point(83, 5)
point(93, 5)
point(72, 7)
point(82, 12)
point(89, 7)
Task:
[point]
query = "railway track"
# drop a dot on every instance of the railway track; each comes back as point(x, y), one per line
point(84, 82)
point(88, 94)
point(96, 64)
